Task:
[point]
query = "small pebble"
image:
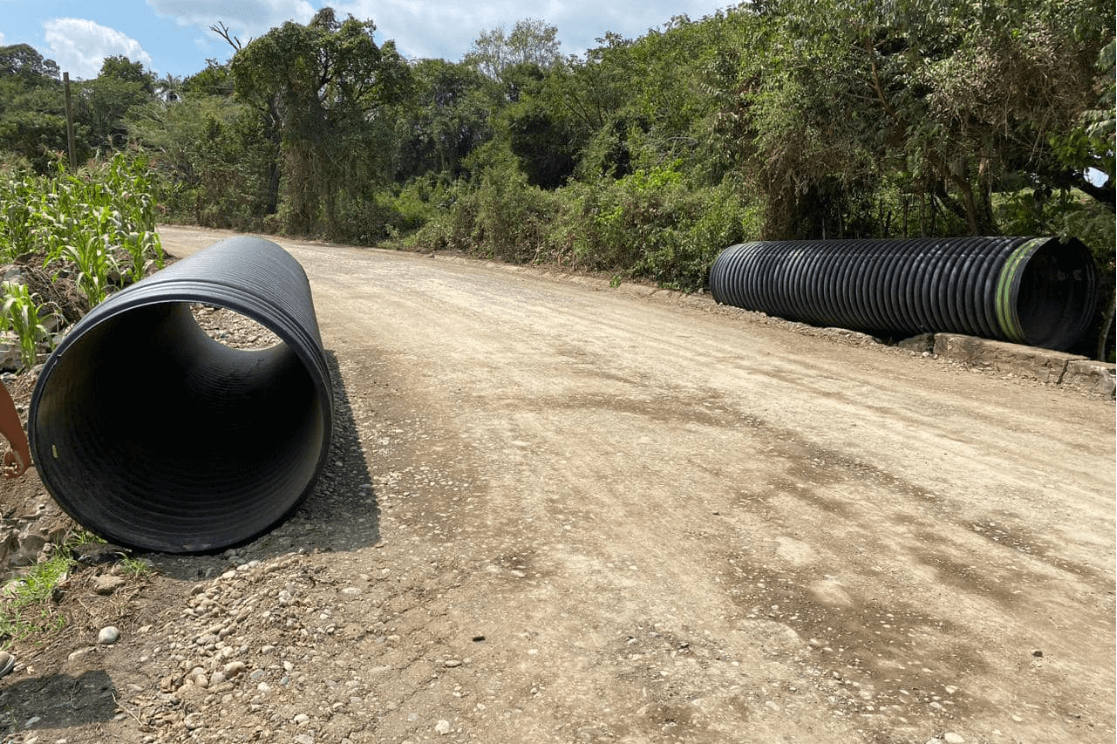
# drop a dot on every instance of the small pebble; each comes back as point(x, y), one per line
point(81, 652)
point(451, 663)
point(952, 738)
point(302, 719)
point(108, 636)
point(442, 727)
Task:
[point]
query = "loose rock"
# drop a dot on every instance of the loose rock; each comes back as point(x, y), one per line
point(107, 584)
point(108, 635)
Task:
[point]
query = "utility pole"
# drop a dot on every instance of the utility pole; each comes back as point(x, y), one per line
point(70, 124)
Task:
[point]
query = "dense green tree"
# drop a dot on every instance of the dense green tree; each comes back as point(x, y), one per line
point(102, 105)
point(123, 69)
point(214, 80)
point(448, 114)
point(211, 158)
point(23, 61)
point(32, 106)
point(323, 87)
point(948, 101)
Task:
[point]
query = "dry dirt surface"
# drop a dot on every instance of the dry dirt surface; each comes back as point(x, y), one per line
point(560, 512)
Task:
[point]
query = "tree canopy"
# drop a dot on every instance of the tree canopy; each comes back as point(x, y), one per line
point(530, 42)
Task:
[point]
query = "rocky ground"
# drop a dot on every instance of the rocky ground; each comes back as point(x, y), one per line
point(229, 639)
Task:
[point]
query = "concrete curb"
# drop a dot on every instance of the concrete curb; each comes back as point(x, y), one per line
point(1029, 362)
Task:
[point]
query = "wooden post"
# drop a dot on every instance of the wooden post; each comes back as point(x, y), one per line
point(70, 124)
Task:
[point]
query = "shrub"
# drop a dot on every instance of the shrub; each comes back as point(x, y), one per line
point(654, 225)
point(502, 217)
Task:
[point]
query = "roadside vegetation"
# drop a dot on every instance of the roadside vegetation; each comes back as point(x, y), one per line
point(92, 231)
point(641, 158)
point(28, 607)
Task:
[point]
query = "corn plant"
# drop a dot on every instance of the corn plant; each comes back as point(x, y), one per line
point(96, 226)
point(94, 264)
point(20, 314)
point(139, 247)
point(134, 216)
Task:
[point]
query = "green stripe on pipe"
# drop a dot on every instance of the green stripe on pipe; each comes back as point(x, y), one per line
point(1007, 285)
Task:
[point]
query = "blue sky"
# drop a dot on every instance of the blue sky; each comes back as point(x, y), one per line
point(173, 36)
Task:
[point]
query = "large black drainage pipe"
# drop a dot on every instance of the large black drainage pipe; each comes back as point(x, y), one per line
point(1036, 291)
point(153, 435)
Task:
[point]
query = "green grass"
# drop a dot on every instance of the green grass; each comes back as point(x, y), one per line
point(28, 604)
point(27, 607)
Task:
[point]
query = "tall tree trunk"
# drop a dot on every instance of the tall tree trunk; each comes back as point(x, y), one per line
point(271, 200)
point(1106, 326)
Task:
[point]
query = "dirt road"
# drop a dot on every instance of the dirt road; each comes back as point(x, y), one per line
point(560, 512)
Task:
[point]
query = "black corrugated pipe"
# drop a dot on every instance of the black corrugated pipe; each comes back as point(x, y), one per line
point(1036, 291)
point(150, 433)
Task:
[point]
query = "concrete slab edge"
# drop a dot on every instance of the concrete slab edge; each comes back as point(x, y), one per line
point(1030, 362)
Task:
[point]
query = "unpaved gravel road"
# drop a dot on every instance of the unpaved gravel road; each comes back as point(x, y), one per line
point(559, 512)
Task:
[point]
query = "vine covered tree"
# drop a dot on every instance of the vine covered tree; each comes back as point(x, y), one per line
point(320, 89)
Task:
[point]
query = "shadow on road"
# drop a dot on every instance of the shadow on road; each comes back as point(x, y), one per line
point(56, 701)
point(341, 513)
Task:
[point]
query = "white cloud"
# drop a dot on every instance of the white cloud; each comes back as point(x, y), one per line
point(426, 29)
point(246, 20)
point(447, 28)
point(1, 37)
point(80, 47)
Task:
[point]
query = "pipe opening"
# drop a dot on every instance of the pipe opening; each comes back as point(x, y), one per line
point(215, 322)
point(176, 441)
point(1056, 294)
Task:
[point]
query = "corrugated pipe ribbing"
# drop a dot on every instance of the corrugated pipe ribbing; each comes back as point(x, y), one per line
point(1035, 291)
point(155, 436)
